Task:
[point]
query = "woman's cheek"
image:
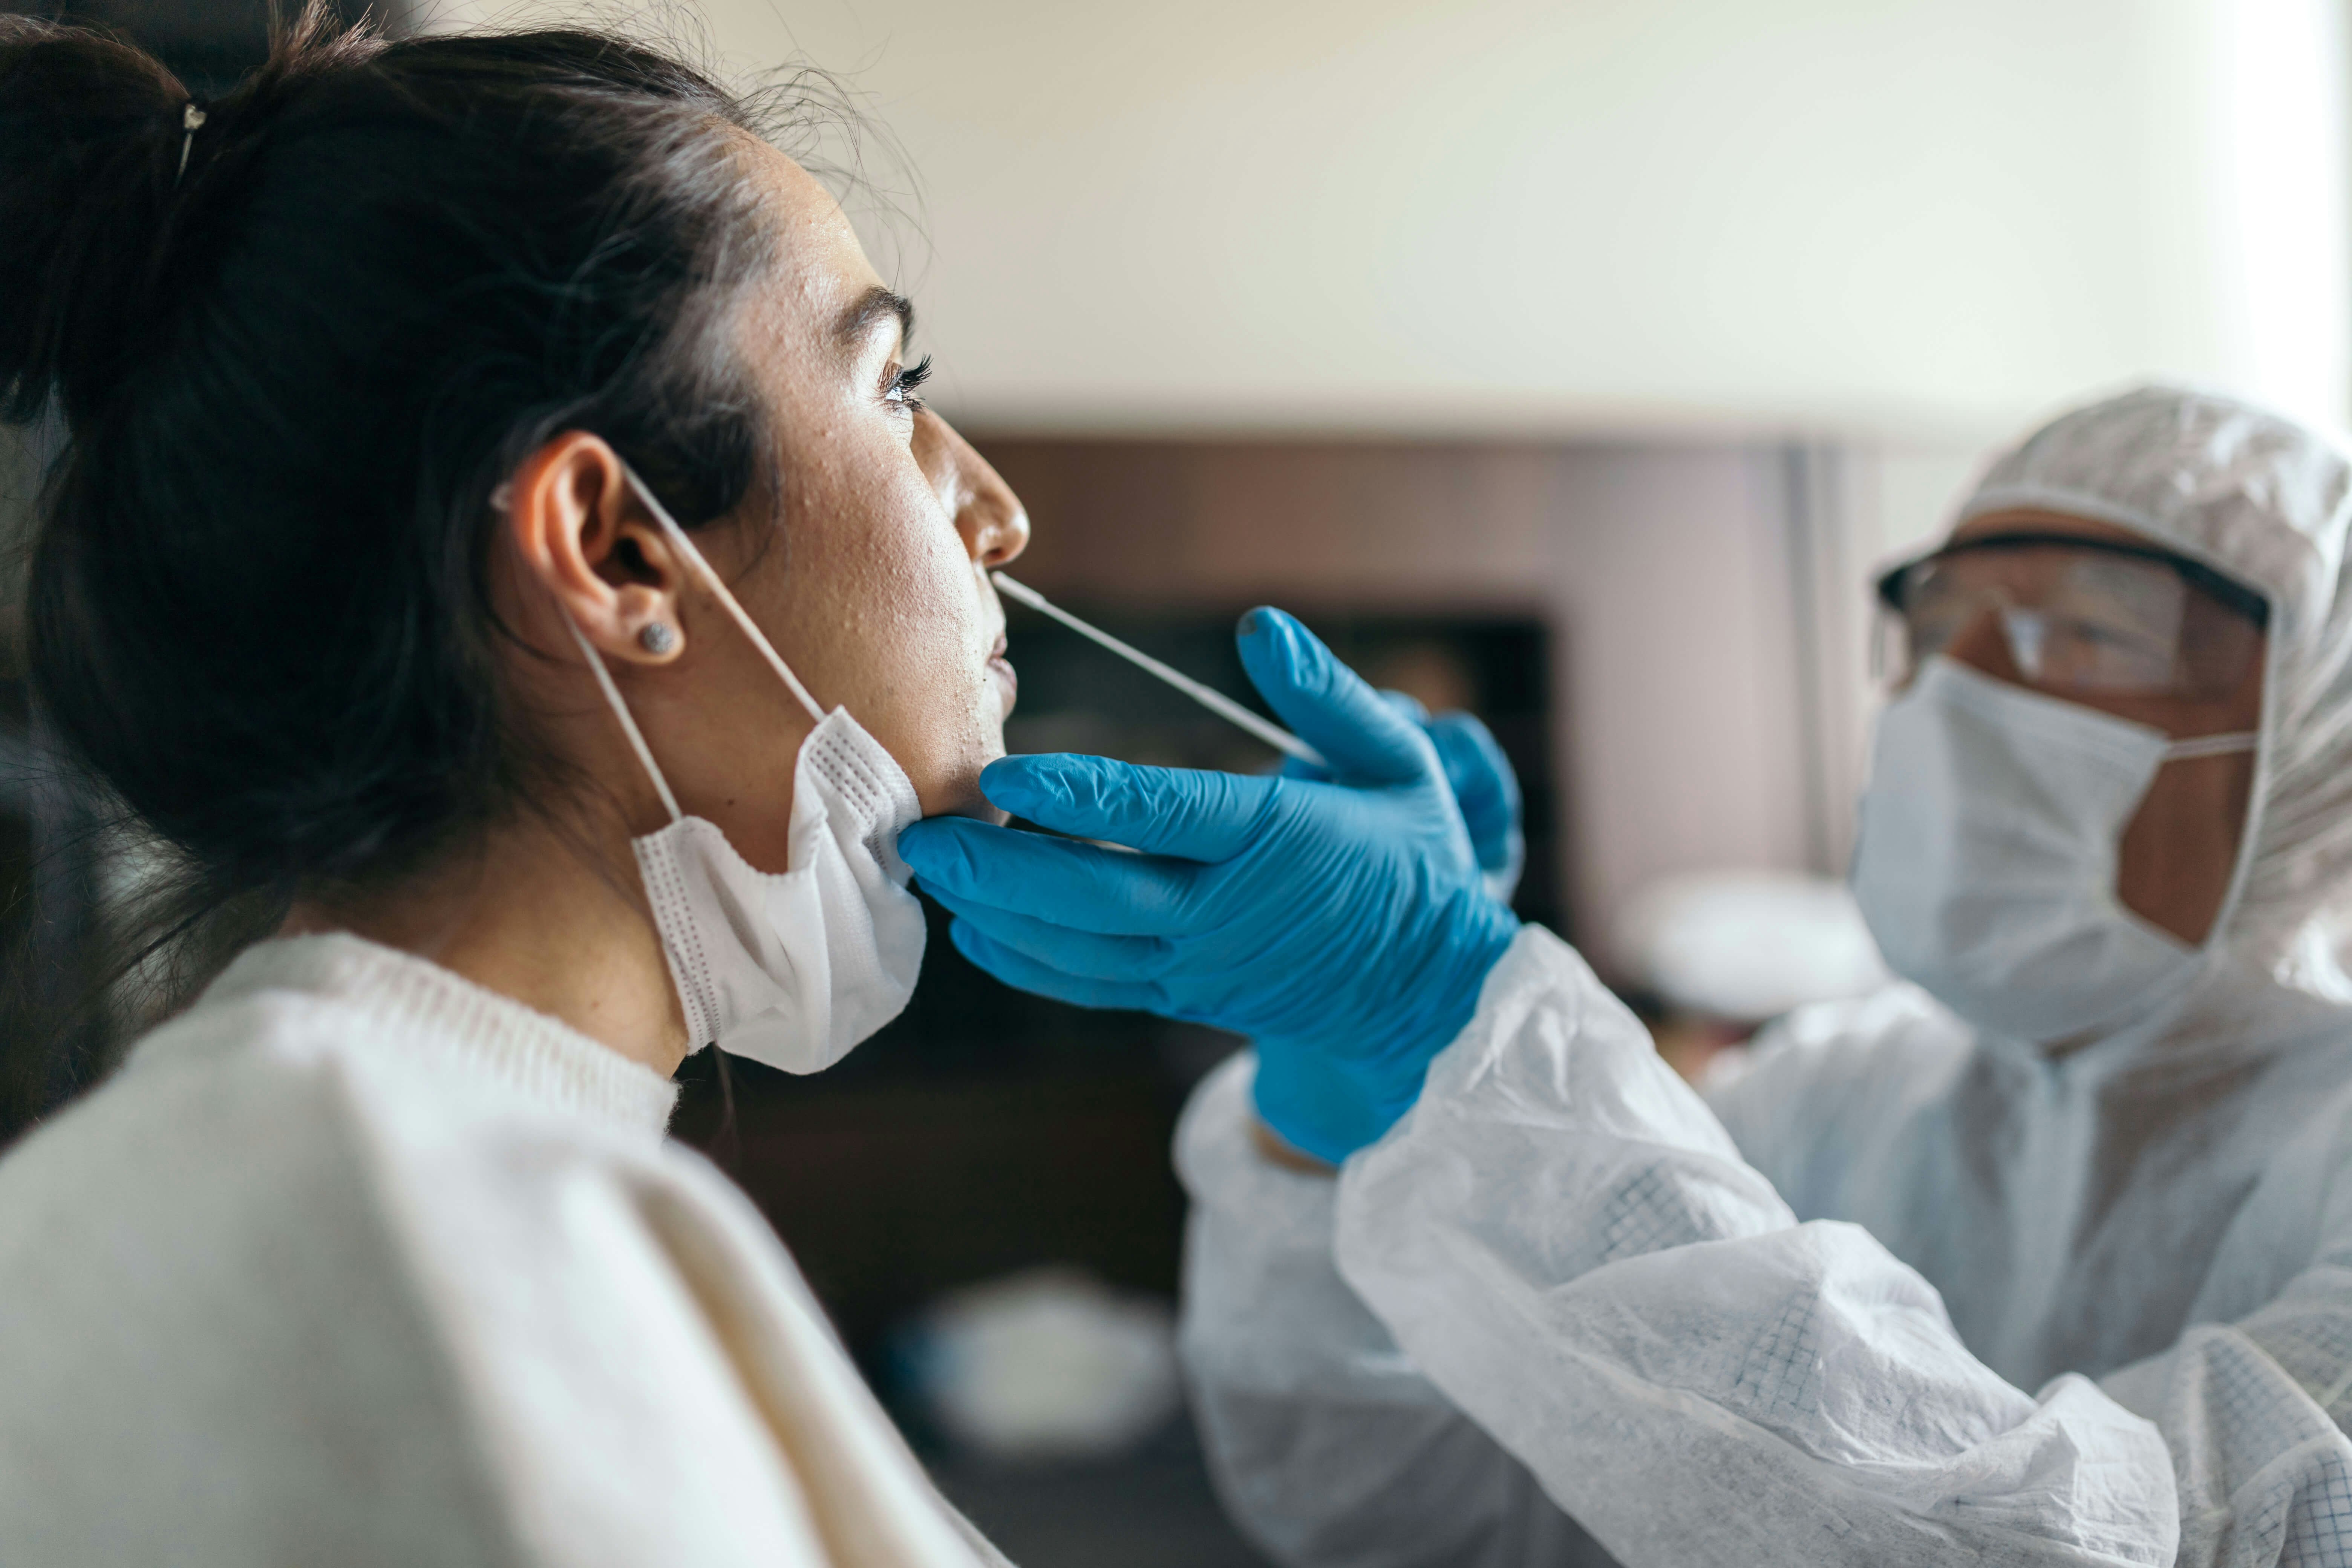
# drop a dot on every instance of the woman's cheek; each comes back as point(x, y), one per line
point(938, 735)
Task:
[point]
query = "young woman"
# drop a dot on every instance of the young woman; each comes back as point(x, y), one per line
point(498, 528)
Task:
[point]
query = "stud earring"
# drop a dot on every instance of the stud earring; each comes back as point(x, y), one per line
point(657, 639)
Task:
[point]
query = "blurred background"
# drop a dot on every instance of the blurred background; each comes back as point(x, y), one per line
point(1571, 362)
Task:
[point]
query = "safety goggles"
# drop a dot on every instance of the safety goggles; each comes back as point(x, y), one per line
point(2090, 615)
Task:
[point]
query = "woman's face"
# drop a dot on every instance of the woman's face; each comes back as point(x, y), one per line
point(871, 579)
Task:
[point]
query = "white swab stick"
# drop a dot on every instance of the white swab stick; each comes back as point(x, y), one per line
point(1215, 701)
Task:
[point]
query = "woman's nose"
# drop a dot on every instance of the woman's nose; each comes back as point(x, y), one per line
point(991, 519)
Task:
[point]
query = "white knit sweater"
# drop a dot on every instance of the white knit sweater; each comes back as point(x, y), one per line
point(356, 1263)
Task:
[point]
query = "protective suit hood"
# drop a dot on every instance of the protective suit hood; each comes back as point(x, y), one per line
point(2268, 501)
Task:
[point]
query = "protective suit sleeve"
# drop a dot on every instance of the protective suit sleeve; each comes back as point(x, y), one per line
point(2256, 1411)
point(1567, 1243)
point(1329, 1445)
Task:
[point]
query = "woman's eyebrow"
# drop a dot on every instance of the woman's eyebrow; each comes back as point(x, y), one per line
point(873, 305)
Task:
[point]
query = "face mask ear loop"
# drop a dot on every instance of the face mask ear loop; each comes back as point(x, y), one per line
point(685, 547)
point(2213, 746)
point(621, 711)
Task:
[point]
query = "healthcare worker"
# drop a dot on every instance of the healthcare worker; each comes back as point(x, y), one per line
point(2046, 1258)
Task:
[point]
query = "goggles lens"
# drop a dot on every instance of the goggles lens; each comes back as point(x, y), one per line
point(2082, 616)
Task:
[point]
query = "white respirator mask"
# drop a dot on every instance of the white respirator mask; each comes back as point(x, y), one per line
point(1985, 866)
point(792, 969)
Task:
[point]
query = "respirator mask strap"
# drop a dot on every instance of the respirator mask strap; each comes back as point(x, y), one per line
point(2213, 746)
point(621, 711)
point(702, 567)
point(685, 547)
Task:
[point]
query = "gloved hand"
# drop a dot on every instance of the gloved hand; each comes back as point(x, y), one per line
point(1486, 788)
point(1343, 926)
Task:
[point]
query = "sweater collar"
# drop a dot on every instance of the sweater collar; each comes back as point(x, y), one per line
point(546, 1059)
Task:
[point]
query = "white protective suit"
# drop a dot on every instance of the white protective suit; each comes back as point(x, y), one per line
point(1893, 1291)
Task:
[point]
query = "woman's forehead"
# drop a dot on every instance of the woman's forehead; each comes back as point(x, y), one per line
point(820, 250)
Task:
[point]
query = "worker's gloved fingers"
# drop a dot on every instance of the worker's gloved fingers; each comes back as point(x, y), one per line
point(1300, 768)
point(1327, 705)
point(1313, 1106)
point(1025, 974)
point(1081, 886)
point(1484, 787)
point(1087, 955)
point(1185, 811)
point(1406, 703)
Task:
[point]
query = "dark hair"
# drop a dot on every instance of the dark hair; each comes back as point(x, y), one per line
point(290, 377)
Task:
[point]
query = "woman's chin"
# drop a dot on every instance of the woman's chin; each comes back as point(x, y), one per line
point(957, 793)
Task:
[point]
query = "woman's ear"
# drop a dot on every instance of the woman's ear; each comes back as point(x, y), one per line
point(581, 535)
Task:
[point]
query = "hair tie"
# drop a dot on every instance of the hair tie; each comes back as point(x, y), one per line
point(191, 117)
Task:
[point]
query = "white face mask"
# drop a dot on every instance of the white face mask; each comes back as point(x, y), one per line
point(791, 970)
point(1985, 866)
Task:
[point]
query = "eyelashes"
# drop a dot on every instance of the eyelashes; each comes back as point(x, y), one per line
point(902, 386)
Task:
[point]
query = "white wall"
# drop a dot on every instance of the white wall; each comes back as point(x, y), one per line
point(1930, 217)
point(1850, 510)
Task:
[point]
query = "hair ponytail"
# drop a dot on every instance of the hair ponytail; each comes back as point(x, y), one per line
point(89, 134)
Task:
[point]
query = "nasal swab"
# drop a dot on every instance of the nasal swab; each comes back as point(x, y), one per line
point(1215, 701)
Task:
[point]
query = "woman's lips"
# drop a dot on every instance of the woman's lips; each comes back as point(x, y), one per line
point(1008, 679)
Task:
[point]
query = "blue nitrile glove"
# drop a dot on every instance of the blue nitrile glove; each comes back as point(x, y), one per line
point(1485, 785)
point(1343, 925)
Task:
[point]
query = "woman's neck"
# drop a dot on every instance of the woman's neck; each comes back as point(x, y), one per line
point(528, 914)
